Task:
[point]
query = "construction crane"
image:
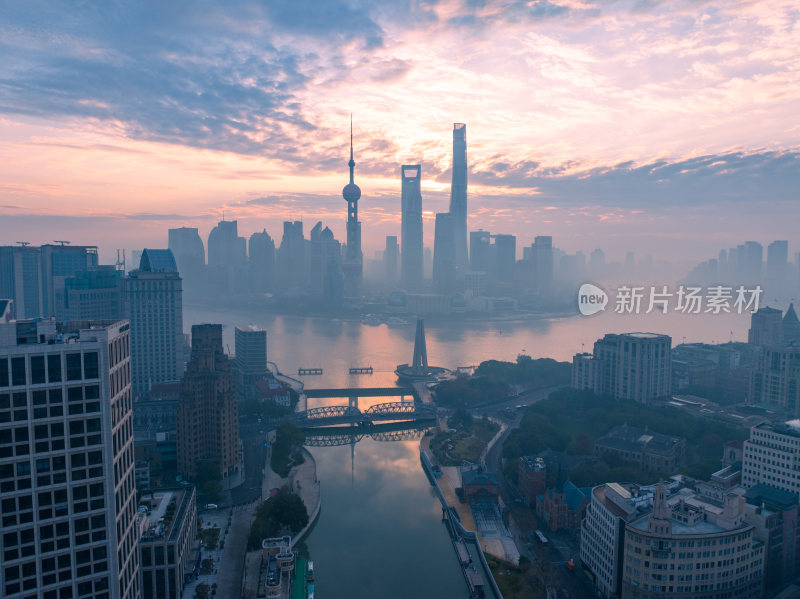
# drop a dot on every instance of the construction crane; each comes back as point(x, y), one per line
point(62, 242)
point(23, 243)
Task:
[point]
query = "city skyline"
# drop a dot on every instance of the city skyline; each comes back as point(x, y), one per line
point(572, 134)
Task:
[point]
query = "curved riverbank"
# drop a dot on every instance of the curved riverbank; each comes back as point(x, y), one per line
point(305, 484)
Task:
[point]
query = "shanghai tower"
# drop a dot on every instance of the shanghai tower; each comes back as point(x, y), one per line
point(458, 196)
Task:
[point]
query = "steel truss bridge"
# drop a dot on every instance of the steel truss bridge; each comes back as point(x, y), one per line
point(350, 414)
point(346, 435)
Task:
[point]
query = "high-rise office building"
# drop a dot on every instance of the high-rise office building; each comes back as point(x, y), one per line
point(633, 366)
point(480, 251)
point(292, 257)
point(251, 358)
point(505, 258)
point(93, 294)
point(458, 196)
point(208, 417)
point(34, 276)
point(391, 259)
point(751, 262)
point(777, 261)
point(58, 263)
point(262, 262)
point(411, 227)
point(227, 254)
point(190, 257)
point(444, 258)
point(21, 280)
point(766, 327)
point(543, 264)
point(353, 261)
point(153, 302)
point(66, 462)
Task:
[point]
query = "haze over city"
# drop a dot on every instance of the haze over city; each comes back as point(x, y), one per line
point(630, 125)
point(448, 299)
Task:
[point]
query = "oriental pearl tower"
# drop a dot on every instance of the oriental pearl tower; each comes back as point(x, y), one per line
point(353, 263)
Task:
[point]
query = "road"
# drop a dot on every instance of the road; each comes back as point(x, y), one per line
point(545, 558)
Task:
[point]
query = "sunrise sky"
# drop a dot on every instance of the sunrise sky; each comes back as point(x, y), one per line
point(671, 128)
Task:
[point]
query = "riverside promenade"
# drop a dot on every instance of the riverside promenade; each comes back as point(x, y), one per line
point(302, 481)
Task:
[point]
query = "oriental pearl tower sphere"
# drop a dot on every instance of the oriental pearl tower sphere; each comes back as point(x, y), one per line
point(352, 265)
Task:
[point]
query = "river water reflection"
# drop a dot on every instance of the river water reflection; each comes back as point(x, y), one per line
point(380, 533)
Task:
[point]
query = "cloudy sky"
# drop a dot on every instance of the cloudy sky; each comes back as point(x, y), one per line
point(669, 127)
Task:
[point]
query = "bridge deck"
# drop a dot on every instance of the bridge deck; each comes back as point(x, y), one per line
point(359, 392)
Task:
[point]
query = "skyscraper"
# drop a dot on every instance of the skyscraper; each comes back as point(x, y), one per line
point(543, 264)
point(292, 259)
point(226, 253)
point(66, 462)
point(190, 256)
point(153, 302)
point(391, 258)
point(411, 228)
point(458, 196)
point(58, 263)
point(353, 263)
point(262, 262)
point(251, 358)
point(505, 258)
point(480, 251)
point(208, 418)
point(444, 259)
point(20, 280)
point(34, 276)
point(777, 266)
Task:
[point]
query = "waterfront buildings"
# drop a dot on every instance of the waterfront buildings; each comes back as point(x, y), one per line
point(262, 262)
point(190, 257)
point(227, 254)
point(411, 227)
point(391, 259)
point(444, 253)
point(291, 258)
point(353, 262)
point(634, 366)
point(167, 519)
point(648, 451)
point(67, 461)
point(208, 419)
point(251, 358)
point(691, 547)
point(772, 456)
point(153, 302)
point(480, 251)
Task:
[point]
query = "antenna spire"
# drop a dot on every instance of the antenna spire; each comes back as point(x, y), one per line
point(352, 162)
